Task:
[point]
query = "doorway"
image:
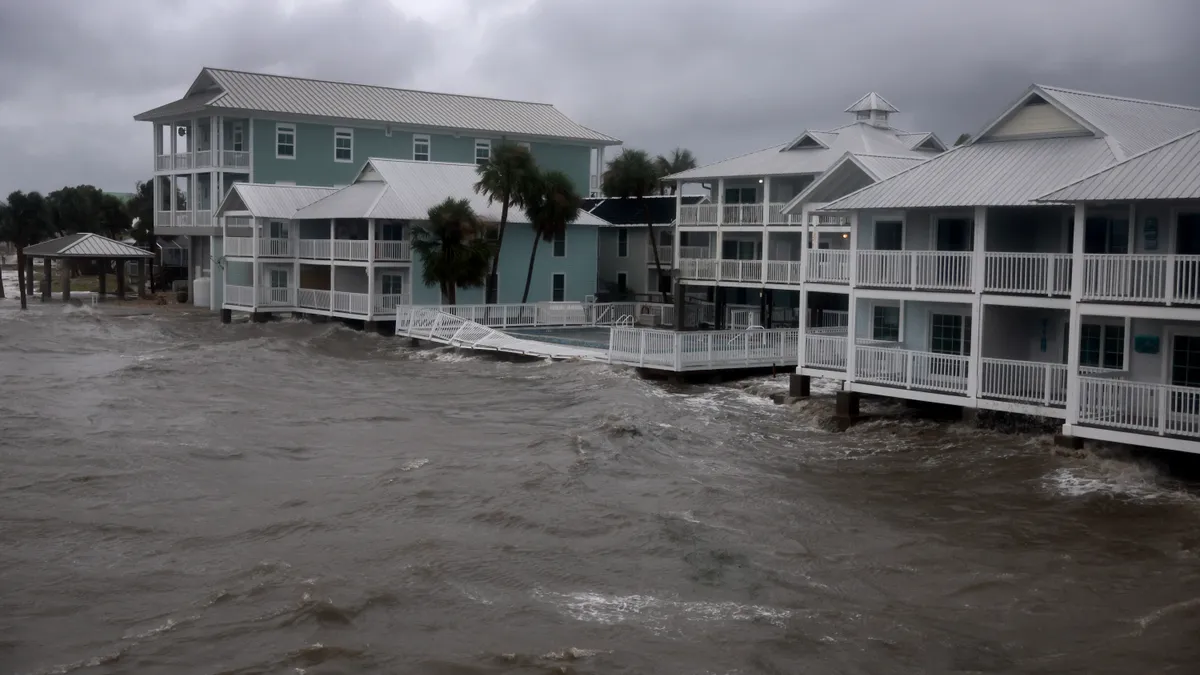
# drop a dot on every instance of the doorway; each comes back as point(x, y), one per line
point(954, 234)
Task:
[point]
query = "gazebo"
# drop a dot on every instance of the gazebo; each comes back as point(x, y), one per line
point(85, 246)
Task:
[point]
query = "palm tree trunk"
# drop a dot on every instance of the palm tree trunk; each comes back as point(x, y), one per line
point(1, 282)
point(451, 292)
point(491, 290)
point(654, 248)
point(21, 274)
point(529, 274)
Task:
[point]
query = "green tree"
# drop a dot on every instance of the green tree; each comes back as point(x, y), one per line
point(550, 204)
point(24, 224)
point(140, 208)
point(680, 159)
point(454, 248)
point(632, 175)
point(504, 178)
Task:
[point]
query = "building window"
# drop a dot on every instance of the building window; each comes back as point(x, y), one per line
point(278, 278)
point(886, 324)
point(623, 242)
point(483, 151)
point(1102, 346)
point(622, 282)
point(239, 139)
point(421, 146)
point(889, 235)
point(558, 287)
point(560, 244)
point(391, 284)
point(343, 145)
point(950, 334)
point(285, 141)
point(746, 195)
point(391, 231)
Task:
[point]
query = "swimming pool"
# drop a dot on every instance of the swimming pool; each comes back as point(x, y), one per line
point(576, 337)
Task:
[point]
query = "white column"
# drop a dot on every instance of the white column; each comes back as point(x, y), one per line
point(803, 327)
point(678, 234)
point(174, 191)
point(212, 275)
point(720, 201)
point(370, 268)
point(979, 250)
point(255, 223)
point(250, 145)
point(852, 315)
point(975, 363)
point(1076, 321)
point(804, 216)
point(766, 219)
point(332, 267)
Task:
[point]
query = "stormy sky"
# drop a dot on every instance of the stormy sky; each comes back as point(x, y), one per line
point(721, 77)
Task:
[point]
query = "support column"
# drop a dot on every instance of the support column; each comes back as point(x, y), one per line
point(678, 234)
point(852, 304)
point(799, 386)
point(846, 409)
point(103, 279)
point(978, 277)
point(371, 268)
point(121, 281)
point(28, 277)
point(1076, 322)
point(65, 281)
point(213, 257)
point(332, 267)
point(141, 267)
point(47, 279)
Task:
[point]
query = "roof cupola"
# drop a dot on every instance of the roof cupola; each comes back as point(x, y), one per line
point(872, 109)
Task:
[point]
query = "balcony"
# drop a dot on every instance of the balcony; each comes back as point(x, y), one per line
point(393, 250)
point(1043, 384)
point(357, 250)
point(202, 159)
point(784, 272)
point(314, 249)
point(827, 352)
point(1140, 407)
point(342, 302)
point(184, 219)
point(735, 215)
point(926, 270)
point(741, 270)
point(243, 247)
point(829, 266)
point(911, 369)
point(1141, 278)
point(1046, 274)
point(239, 247)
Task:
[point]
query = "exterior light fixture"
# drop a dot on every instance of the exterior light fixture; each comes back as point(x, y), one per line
point(845, 235)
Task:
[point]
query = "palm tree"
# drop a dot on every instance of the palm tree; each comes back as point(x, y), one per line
point(681, 159)
point(551, 203)
point(453, 247)
point(504, 178)
point(24, 223)
point(632, 175)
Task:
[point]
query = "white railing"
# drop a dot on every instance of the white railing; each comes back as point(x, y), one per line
point(695, 252)
point(911, 369)
point(743, 214)
point(239, 246)
point(204, 218)
point(392, 250)
point(279, 297)
point(830, 266)
point(666, 254)
point(1024, 381)
point(235, 159)
point(703, 350)
point(741, 319)
point(1141, 277)
point(239, 295)
point(275, 247)
point(183, 218)
point(314, 249)
point(1185, 286)
point(935, 270)
point(204, 159)
point(238, 221)
point(741, 270)
point(784, 272)
point(351, 249)
point(312, 298)
point(1027, 273)
point(825, 351)
point(703, 269)
point(776, 216)
point(351, 303)
point(828, 321)
point(162, 219)
point(828, 220)
point(526, 315)
point(162, 163)
point(698, 214)
point(1139, 406)
point(388, 302)
point(183, 160)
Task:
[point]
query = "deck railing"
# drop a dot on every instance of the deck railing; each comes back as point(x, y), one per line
point(162, 163)
point(351, 249)
point(1141, 407)
point(912, 369)
point(313, 298)
point(239, 246)
point(162, 219)
point(741, 270)
point(204, 218)
point(829, 266)
point(1024, 381)
point(183, 160)
point(275, 247)
point(776, 216)
point(703, 350)
point(388, 302)
point(743, 214)
point(695, 252)
point(932, 270)
point(279, 297)
point(238, 221)
point(204, 159)
point(351, 303)
point(825, 351)
point(701, 269)
point(1027, 273)
point(242, 296)
point(314, 249)
point(784, 272)
point(392, 250)
point(235, 159)
point(1142, 277)
point(698, 214)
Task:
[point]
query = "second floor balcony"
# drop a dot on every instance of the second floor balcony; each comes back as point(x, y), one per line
point(202, 159)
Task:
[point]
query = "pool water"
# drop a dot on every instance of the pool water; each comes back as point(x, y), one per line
point(576, 337)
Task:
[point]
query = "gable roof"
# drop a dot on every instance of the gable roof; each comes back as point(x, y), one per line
point(399, 189)
point(1168, 171)
point(851, 172)
point(871, 101)
point(271, 201)
point(216, 89)
point(626, 212)
point(86, 245)
point(785, 159)
point(1019, 171)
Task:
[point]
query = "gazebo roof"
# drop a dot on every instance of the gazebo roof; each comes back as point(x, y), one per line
point(85, 245)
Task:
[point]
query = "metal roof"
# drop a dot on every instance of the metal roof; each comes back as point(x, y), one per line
point(1010, 173)
point(850, 173)
point(1169, 171)
point(236, 90)
point(872, 101)
point(271, 201)
point(406, 190)
point(1134, 124)
point(85, 245)
point(857, 137)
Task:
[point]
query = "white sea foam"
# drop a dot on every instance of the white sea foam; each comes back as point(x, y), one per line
point(414, 464)
point(1118, 479)
point(655, 613)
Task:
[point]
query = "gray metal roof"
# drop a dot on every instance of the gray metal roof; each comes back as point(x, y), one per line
point(850, 173)
point(271, 201)
point(85, 245)
point(1169, 171)
point(406, 190)
point(1134, 124)
point(857, 137)
point(1011, 173)
point(236, 90)
point(872, 101)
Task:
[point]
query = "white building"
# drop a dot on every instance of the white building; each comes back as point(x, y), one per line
point(627, 265)
point(974, 280)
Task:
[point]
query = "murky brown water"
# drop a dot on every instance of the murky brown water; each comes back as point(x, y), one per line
point(185, 497)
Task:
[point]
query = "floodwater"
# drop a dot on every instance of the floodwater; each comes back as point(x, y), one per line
point(179, 496)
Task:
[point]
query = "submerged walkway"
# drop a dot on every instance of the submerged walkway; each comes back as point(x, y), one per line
point(445, 328)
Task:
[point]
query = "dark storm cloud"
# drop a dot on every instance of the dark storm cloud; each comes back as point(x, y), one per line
point(720, 77)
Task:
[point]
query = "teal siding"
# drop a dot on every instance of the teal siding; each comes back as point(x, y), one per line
point(573, 160)
point(579, 266)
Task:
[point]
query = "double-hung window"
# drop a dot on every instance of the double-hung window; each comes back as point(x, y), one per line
point(950, 334)
point(483, 151)
point(558, 287)
point(285, 141)
point(560, 244)
point(343, 145)
point(623, 242)
point(391, 284)
point(885, 326)
point(1102, 346)
point(421, 147)
point(238, 140)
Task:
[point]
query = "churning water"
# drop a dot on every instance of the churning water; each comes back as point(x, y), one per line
point(185, 497)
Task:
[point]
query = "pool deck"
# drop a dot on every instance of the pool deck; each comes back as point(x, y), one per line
point(454, 331)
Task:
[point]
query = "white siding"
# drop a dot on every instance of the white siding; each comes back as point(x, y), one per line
point(1037, 119)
